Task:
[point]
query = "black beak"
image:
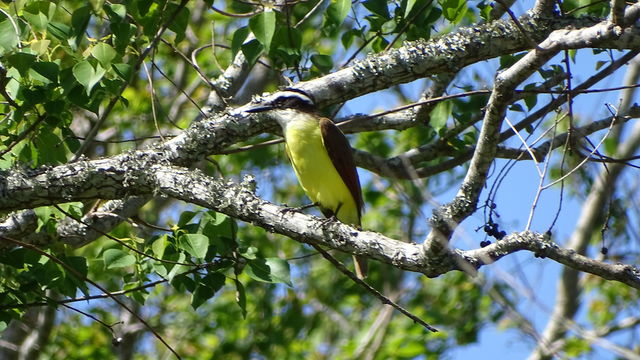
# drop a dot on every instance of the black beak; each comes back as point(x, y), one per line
point(256, 108)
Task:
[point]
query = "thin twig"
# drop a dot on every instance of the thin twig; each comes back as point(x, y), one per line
point(251, 147)
point(524, 143)
point(583, 161)
point(245, 15)
point(307, 15)
point(3, 85)
point(75, 273)
point(124, 140)
point(543, 175)
point(120, 241)
point(152, 93)
point(370, 289)
point(23, 135)
point(515, 20)
point(112, 103)
point(94, 318)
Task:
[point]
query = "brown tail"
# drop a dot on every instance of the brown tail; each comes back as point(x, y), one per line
point(361, 266)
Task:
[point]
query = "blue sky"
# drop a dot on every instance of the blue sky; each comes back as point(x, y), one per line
point(536, 278)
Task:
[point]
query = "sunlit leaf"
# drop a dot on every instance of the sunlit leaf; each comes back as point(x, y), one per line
point(116, 258)
point(263, 26)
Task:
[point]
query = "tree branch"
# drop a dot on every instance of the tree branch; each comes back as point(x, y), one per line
point(143, 177)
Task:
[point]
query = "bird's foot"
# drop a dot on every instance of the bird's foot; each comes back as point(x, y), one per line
point(297, 209)
point(328, 220)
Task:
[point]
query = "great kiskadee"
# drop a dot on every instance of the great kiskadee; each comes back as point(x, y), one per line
point(321, 157)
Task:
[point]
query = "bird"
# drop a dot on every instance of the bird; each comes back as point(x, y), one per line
point(321, 157)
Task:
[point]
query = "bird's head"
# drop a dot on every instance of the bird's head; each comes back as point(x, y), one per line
point(284, 106)
point(287, 99)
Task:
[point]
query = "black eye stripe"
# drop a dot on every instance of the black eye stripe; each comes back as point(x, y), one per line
point(293, 102)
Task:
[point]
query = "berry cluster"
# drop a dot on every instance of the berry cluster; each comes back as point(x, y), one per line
point(492, 229)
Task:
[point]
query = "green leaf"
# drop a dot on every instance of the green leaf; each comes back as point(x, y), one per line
point(214, 224)
point(177, 269)
point(270, 270)
point(207, 288)
point(123, 70)
point(241, 298)
point(144, 6)
point(38, 14)
point(220, 229)
point(180, 22)
point(33, 95)
point(407, 10)
point(116, 258)
point(530, 100)
point(323, 62)
point(185, 217)
point(239, 36)
point(379, 44)
point(195, 244)
point(22, 62)
point(248, 252)
point(183, 283)
point(140, 295)
point(78, 96)
point(263, 27)
point(440, 115)
point(335, 14)
point(378, 7)
point(122, 33)
point(115, 12)
point(50, 149)
point(104, 53)
point(201, 295)
point(572, 54)
point(159, 246)
point(453, 10)
point(485, 11)
point(348, 36)
point(8, 37)
point(40, 47)
point(340, 9)
point(79, 23)
point(59, 30)
point(87, 75)
point(516, 107)
point(47, 69)
point(576, 347)
point(79, 264)
point(73, 144)
point(73, 208)
point(287, 46)
point(252, 51)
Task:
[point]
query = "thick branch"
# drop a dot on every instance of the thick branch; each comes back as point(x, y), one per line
point(143, 177)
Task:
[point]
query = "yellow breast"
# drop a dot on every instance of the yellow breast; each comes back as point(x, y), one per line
point(315, 170)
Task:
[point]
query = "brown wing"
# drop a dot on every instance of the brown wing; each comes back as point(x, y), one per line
point(341, 155)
